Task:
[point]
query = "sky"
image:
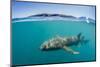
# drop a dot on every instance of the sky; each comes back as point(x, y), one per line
point(24, 9)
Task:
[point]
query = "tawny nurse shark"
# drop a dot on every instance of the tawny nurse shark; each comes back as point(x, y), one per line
point(63, 43)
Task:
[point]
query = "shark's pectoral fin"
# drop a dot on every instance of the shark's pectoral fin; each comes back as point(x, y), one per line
point(70, 50)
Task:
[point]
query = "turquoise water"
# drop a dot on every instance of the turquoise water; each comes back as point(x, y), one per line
point(28, 36)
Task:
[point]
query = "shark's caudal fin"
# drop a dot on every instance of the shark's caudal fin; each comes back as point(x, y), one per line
point(79, 36)
point(82, 39)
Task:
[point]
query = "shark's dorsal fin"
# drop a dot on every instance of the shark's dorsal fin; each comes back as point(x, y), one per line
point(70, 50)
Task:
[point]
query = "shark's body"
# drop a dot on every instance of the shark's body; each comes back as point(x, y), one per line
point(62, 42)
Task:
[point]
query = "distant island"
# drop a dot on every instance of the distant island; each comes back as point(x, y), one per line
point(62, 16)
point(52, 15)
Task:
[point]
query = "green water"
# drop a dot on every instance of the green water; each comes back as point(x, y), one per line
point(27, 37)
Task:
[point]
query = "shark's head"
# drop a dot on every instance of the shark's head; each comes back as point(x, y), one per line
point(44, 46)
point(47, 45)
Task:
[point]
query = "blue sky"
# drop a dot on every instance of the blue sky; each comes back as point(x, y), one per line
point(24, 9)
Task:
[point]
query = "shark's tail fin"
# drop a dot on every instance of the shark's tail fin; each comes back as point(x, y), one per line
point(79, 36)
point(82, 38)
